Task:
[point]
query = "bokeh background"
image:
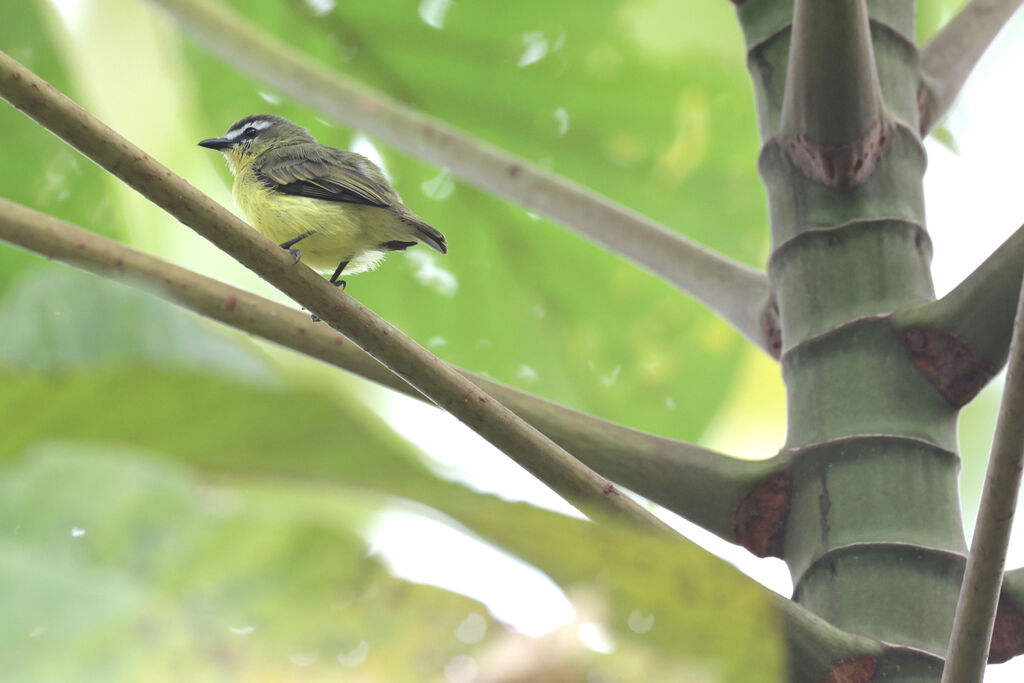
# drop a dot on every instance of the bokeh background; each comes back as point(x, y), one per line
point(180, 502)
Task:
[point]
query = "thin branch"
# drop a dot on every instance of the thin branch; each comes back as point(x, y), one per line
point(976, 608)
point(948, 58)
point(428, 374)
point(967, 332)
point(701, 485)
point(737, 293)
point(818, 645)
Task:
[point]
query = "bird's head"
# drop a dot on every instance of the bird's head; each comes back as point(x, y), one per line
point(254, 135)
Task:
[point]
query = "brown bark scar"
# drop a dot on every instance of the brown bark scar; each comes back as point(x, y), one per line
point(853, 670)
point(950, 364)
point(759, 518)
point(842, 167)
point(925, 104)
point(771, 328)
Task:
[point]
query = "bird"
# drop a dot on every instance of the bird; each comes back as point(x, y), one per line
point(329, 207)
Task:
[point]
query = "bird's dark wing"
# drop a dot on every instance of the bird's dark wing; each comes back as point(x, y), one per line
point(313, 170)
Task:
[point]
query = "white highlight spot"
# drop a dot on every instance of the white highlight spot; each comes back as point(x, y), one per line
point(427, 272)
point(440, 186)
point(270, 98)
point(321, 7)
point(433, 12)
point(355, 657)
point(472, 629)
point(36, 632)
point(526, 373)
point(535, 46)
point(638, 623)
point(304, 658)
point(562, 117)
point(241, 630)
point(423, 550)
point(76, 532)
point(460, 669)
point(596, 637)
point(72, 12)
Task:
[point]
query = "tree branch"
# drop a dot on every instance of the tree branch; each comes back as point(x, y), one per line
point(948, 58)
point(963, 338)
point(976, 608)
point(703, 486)
point(428, 374)
point(737, 293)
point(817, 646)
point(832, 124)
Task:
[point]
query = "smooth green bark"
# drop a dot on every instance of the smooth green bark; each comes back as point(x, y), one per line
point(874, 538)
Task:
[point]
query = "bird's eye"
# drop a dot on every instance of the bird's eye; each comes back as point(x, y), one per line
point(249, 133)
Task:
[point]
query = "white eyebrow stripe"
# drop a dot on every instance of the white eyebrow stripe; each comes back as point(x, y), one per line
point(259, 124)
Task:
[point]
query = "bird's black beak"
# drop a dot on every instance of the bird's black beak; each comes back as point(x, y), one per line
point(216, 143)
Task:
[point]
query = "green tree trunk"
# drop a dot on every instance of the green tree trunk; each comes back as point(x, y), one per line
point(874, 539)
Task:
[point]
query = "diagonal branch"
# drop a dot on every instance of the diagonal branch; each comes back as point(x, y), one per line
point(737, 293)
point(979, 593)
point(578, 484)
point(960, 341)
point(817, 647)
point(948, 58)
point(703, 486)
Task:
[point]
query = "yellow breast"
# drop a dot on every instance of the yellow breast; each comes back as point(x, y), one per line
point(342, 231)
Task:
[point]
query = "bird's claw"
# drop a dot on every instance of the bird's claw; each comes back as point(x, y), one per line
point(339, 283)
point(295, 253)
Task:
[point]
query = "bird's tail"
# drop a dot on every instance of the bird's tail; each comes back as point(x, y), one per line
point(430, 236)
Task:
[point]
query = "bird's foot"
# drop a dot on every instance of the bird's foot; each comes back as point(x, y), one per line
point(339, 283)
point(294, 252)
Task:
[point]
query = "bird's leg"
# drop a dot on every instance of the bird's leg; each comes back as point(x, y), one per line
point(334, 278)
point(334, 281)
point(290, 243)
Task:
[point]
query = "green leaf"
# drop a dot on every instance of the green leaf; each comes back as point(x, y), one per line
point(115, 567)
point(136, 417)
point(944, 136)
point(55, 318)
point(932, 16)
point(705, 615)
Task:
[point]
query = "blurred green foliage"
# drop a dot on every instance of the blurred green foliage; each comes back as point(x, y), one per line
point(175, 505)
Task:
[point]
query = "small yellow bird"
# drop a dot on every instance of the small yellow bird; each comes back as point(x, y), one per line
point(336, 203)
